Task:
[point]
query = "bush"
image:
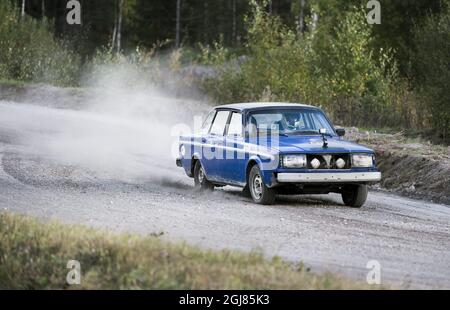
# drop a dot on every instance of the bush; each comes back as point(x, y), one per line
point(431, 63)
point(28, 51)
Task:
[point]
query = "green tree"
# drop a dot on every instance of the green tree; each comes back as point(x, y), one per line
point(356, 78)
point(432, 70)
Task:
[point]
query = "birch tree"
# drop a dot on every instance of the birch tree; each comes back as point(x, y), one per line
point(119, 26)
point(301, 17)
point(22, 11)
point(114, 34)
point(43, 9)
point(116, 42)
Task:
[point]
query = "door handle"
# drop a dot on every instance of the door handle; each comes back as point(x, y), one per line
point(203, 140)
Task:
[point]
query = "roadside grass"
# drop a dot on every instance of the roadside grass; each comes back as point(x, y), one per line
point(16, 85)
point(34, 255)
point(409, 135)
point(403, 143)
point(11, 82)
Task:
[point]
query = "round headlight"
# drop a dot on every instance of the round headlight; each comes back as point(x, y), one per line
point(182, 150)
point(315, 163)
point(340, 163)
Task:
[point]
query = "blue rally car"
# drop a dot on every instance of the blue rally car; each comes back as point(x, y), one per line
point(277, 148)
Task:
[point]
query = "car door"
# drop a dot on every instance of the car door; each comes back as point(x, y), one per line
point(213, 146)
point(233, 165)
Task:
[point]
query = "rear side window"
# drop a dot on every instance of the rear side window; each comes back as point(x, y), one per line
point(219, 123)
point(208, 122)
point(235, 127)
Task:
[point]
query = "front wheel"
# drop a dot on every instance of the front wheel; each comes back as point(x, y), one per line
point(260, 193)
point(355, 196)
point(200, 180)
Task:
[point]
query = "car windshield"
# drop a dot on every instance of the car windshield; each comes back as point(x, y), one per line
point(289, 122)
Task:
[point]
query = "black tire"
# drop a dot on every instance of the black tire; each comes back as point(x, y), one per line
point(200, 181)
point(259, 192)
point(355, 196)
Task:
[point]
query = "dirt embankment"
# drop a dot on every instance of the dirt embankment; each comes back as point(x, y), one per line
point(412, 167)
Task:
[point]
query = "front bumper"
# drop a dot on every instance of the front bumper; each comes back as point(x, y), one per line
point(178, 162)
point(327, 177)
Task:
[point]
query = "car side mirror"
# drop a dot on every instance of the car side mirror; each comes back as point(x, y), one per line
point(340, 132)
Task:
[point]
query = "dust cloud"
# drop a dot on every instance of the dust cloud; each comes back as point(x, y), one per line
point(122, 128)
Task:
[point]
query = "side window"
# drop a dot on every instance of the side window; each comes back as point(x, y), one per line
point(220, 121)
point(235, 127)
point(208, 121)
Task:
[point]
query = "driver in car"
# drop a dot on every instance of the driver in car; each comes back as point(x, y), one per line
point(291, 121)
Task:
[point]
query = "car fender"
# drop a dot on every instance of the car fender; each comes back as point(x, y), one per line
point(267, 174)
point(190, 166)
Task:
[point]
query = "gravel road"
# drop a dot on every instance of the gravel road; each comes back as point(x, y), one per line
point(409, 238)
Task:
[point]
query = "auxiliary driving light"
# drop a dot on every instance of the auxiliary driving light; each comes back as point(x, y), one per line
point(315, 163)
point(340, 163)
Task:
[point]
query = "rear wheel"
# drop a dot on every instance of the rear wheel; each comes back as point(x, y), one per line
point(260, 193)
point(355, 196)
point(200, 180)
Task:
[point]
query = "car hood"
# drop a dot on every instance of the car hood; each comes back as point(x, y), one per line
point(314, 144)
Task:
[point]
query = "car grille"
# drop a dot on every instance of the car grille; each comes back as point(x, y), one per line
point(328, 161)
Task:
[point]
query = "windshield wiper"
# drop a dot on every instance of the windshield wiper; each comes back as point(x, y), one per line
point(309, 132)
point(267, 134)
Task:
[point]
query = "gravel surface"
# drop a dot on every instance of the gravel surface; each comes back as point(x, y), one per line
point(409, 238)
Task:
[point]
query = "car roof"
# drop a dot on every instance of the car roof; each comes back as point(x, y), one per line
point(263, 105)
